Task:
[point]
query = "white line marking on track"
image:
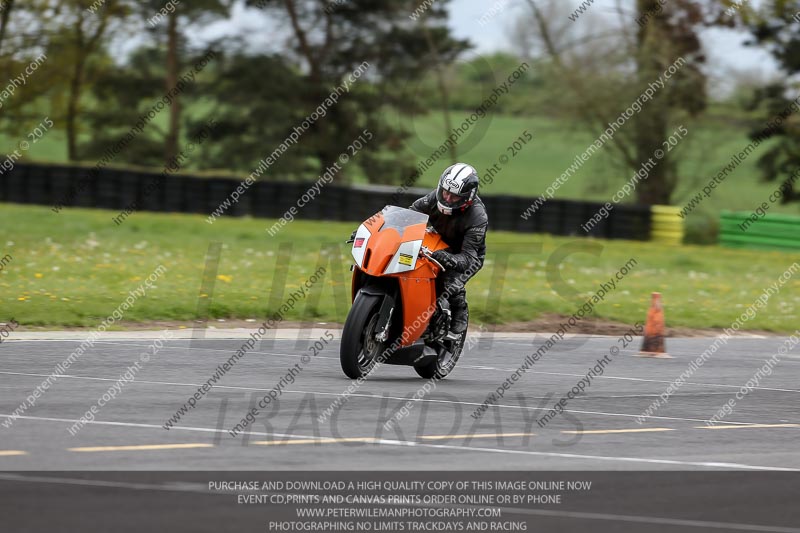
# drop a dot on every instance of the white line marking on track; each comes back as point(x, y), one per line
point(230, 351)
point(390, 442)
point(614, 431)
point(319, 440)
point(175, 487)
point(462, 366)
point(154, 426)
point(376, 396)
point(167, 347)
point(753, 426)
point(141, 447)
point(737, 466)
point(477, 436)
point(625, 378)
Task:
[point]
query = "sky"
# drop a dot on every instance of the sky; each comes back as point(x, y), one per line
point(724, 48)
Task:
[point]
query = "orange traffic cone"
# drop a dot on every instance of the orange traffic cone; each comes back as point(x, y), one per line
point(653, 344)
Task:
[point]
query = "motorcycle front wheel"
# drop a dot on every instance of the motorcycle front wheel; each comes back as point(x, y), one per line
point(359, 350)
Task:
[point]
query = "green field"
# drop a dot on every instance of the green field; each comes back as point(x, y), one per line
point(75, 268)
point(708, 147)
point(706, 150)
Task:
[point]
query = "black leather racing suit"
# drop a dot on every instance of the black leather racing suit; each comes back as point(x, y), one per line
point(465, 233)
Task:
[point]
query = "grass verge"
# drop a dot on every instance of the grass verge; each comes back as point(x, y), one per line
point(75, 268)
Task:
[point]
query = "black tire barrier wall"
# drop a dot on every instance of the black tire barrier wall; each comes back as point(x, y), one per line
point(116, 189)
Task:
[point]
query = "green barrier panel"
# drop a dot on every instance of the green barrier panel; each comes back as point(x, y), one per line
point(772, 232)
point(769, 230)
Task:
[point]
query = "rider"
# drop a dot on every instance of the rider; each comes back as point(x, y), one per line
point(460, 217)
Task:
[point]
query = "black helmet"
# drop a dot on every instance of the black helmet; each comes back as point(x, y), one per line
point(462, 180)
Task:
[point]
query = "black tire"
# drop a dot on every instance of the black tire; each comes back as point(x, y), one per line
point(443, 365)
point(358, 328)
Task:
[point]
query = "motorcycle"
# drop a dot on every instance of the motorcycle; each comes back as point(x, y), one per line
point(399, 316)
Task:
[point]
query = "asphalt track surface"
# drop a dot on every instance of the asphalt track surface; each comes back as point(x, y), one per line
point(125, 472)
point(598, 431)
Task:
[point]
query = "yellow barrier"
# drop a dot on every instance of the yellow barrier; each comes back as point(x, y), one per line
point(667, 226)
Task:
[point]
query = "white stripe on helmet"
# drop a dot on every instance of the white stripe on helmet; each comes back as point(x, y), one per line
point(454, 180)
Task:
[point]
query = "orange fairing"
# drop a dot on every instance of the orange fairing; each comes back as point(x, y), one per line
point(419, 304)
point(384, 243)
point(380, 241)
point(434, 242)
point(418, 292)
point(388, 245)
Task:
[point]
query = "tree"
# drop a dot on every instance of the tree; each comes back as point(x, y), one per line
point(607, 67)
point(17, 49)
point(149, 75)
point(70, 41)
point(331, 40)
point(777, 28)
point(75, 40)
point(8, 7)
point(668, 36)
point(255, 113)
point(172, 22)
point(84, 39)
point(439, 65)
point(122, 96)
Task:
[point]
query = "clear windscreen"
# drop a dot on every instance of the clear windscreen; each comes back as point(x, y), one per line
point(400, 218)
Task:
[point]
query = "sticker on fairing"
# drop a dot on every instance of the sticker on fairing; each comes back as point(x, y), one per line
point(360, 244)
point(405, 259)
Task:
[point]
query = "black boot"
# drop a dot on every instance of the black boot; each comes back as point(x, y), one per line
point(460, 320)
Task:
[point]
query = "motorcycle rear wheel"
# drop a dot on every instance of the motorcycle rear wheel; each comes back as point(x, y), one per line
point(445, 362)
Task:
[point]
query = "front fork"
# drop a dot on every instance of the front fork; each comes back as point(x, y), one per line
point(385, 318)
point(385, 313)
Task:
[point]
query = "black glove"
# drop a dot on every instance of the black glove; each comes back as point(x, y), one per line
point(445, 258)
